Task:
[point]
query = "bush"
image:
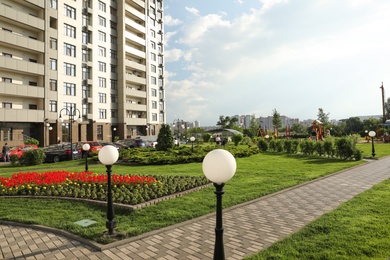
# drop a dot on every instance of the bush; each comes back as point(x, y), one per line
point(319, 148)
point(31, 141)
point(307, 147)
point(236, 139)
point(295, 144)
point(206, 137)
point(288, 146)
point(247, 141)
point(272, 145)
point(263, 145)
point(164, 139)
point(279, 146)
point(345, 148)
point(32, 157)
point(328, 148)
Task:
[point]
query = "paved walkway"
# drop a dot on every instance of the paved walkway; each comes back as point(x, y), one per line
point(249, 227)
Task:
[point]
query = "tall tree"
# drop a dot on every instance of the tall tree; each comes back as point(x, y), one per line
point(387, 108)
point(323, 117)
point(227, 122)
point(276, 120)
point(164, 138)
point(353, 125)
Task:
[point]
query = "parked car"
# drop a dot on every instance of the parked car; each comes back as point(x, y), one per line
point(93, 146)
point(133, 143)
point(20, 149)
point(117, 145)
point(61, 152)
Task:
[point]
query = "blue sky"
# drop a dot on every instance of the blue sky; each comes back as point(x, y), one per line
point(228, 57)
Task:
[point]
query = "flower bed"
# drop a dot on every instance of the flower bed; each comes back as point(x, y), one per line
point(126, 189)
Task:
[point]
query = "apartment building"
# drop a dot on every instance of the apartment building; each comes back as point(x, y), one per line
point(81, 70)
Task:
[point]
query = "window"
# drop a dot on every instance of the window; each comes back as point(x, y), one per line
point(53, 106)
point(153, 68)
point(153, 33)
point(53, 84)
point(86, 37)
point(53, 4)
point(102, 6)
point(53, 43)
point(7, 105)
point(86, 73)
point(153, 80)
point(7, 55)
point(160, 83)
point(70, 11)
point(102, 36)
point(102, 21)
point(113, 98)
point(114, 113)
point(69, 30)
point(102, 82)
point(102, 66)
point(113, 68)
point(161, 115)
point(154, 116)
point(53, 64)
point(6, 80)
point(32, 60)
point(69, 50)
point(86, 55)
point(154, 92)
point(153, 45)
point(69, 69)
point(113, 39)
point(69, 89)
point(113, 54)
point(112, 11)
point(152, 11)
point(154, 104)
point(101, 51)
point(114, 84)
point(71, 107)
point(102, 114)
point(32, 83)
point(102, 98)
point(99, 132)
point(153, 56)
point(32, 106)
point(113, 25)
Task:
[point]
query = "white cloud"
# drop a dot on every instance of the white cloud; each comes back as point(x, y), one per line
point(192, 10)
point(168, 20)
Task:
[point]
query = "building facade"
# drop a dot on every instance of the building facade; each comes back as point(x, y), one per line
point(96, 64)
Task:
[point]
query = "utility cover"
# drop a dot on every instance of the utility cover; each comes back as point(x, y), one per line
point(85, 222)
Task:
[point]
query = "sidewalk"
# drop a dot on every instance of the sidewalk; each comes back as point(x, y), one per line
point(248, 227)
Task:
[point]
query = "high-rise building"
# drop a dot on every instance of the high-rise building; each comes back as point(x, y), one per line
point(81, 70)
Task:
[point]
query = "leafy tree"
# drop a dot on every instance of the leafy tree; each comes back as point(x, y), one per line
point(370, 124)
point(353, 125)
point(206, 137)
point(253, 126)
point(298, 128)
point(323, 117)
point(165, 138)
point(276, 120)
point(31, 141)
point(227, 122)
point(387, 108)
point(236, 139)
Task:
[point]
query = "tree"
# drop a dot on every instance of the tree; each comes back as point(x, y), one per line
point(227, 122)
point(323, 117)
point(353, 125)
point(298, 128)
point(276, 120)
point(387, 108)
point(165, 138)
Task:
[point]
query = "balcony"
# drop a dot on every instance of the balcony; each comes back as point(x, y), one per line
point(135, 93)
point(135, 38)
point(21, 41)
point(21, 115)
point(135, 121)
point(22, 17)
point(135, 79)
point(135, 12)
point(134, 51)
point(133, 64)
point(21, 66)
point(21, 90)
point(135, 25)
point(135, 107)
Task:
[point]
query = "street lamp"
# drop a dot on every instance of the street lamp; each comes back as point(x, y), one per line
point(367, 136)
point(192, 139)
point(372, 135)
point(71, 114)
point(108, 155)
point(86, 148)
point(219, 166)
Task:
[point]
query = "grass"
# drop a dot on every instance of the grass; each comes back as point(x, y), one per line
point(358, 229)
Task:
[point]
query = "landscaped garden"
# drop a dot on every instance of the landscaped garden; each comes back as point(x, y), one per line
point(256, 176)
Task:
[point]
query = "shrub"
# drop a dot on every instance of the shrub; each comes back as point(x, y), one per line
point(206, 137)
point(294, 147)
point(164, 139)
point(328, 148)
point(288, 146)
point(263, 145)
point(345, 148)
point(32, 157)
point(279, 146)
point(272, 145)
point(319, 148)
point(31, 141)
point(307, 147)
point(236, 139)
point(246, 141)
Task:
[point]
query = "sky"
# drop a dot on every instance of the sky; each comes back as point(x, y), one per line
point(249, 57)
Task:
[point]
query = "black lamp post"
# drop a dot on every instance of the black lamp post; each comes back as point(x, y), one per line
point(86, 148)
point(71, 114)
point(192, 139)
point(108, 155)
point(219, 166)
point(372, 135)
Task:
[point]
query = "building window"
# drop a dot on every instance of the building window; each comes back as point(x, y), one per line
point(153, 80)
point(86, 55)
point(102, 113)
point(53, 84)
point(69, 69)
point(53, 43)
point(113, 54)
point(6, 80)
point(161, 115)
point(102, 66)
point(53, 106)
point(113, 39)
point(7, 55)
point(101, 51)
point(112, 11)
point(154, 104)
point(7, 105)
point(99, 132)
point(113, 98)
point(53, 64)
point(102, 36)
point(53, 4)
point(153, 68)
point(102, 82)
point(69, 107)
point(114, 84)
point(102, 21)
point(102, 6)
point(69, 50)
point(153, 33)
point(69, 30)
point(154, 92)
point(154, 116)
point(86, 37)
point(102, 98)
point(113, 68)
point(32, 106)
point(153, 45)
point(69, 89)
point(153, 56)
point(113, 25)
point(32, 83)
point(70, 11)
point(114, 113)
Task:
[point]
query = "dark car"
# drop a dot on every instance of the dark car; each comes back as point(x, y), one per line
point(61, 152)
point(133, 143)
point(117, 145)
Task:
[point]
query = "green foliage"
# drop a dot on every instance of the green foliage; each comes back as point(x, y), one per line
point(319, 148)
point(32, 157)
point(276, 120)
point(246, 140)
point(31, 141)
point(164, 139)
point(227, 122)
point(279, 145)
point(263, 145)
point(328, 148)
point(345, 148)
point(272, 145)
point(236, 139)
point(307, 147)
point(295, 145)
point(206, 137)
